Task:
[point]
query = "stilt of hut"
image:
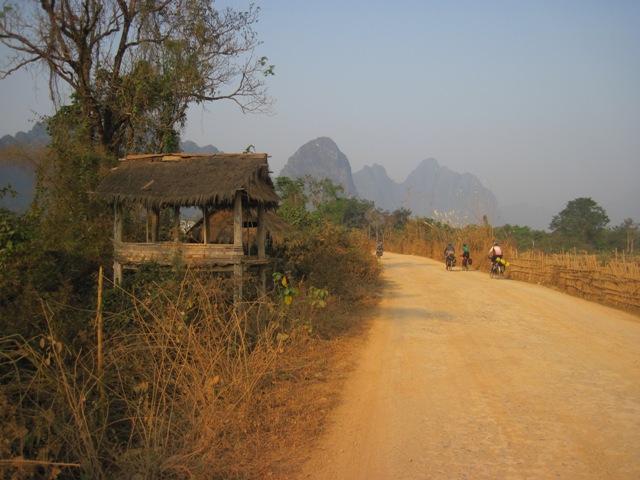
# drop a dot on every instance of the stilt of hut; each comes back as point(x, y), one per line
point(117, 238)
point(237, 242)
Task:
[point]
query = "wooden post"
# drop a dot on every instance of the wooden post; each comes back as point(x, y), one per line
point(176, 223)
point(237, 240)
point(205, 225)
point(237, 219)
point(148, 226)
point(262, 241)
point(117, 238)
point(99, 331)
point(262, 231)
point(155, 224)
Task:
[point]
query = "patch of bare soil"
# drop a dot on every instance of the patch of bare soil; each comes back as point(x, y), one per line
point(465, 377)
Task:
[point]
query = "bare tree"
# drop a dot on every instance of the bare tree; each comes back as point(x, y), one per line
point(133, 67)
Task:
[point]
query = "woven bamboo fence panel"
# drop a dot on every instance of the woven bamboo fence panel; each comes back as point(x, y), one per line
point(616, 283)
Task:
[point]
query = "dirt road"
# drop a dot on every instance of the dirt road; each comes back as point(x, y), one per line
point(464, 377)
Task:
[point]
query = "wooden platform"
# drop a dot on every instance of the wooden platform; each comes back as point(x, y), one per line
point(196, 255)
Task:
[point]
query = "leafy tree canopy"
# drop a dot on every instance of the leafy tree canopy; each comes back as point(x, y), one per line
point(135, 66)
point(582, 220)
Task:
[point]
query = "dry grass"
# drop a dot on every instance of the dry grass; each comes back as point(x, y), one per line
point(183, 385)
point(430, 239)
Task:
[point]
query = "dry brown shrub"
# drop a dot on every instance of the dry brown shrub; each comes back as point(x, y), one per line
point(190, 387)
point(174, 399)
point(336, 259)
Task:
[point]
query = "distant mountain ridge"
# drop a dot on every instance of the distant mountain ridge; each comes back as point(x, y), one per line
point(430, 190)
point(321, 158)
point(373, 183)
point(21, 177)
point(430, 187)
point(38, 135)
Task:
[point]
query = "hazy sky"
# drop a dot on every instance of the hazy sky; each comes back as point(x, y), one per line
point(539, 99)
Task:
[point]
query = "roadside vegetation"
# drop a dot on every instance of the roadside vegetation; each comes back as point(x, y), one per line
point(162, 376)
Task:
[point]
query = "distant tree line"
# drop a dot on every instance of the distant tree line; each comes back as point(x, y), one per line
point(582, 225)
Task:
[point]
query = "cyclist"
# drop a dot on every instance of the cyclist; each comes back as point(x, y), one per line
point(495, 252)
point(449, 250)
point(450, 255)
point(465, 257)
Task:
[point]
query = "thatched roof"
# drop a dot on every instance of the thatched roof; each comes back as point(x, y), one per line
point(185, 180)
point(222, 230)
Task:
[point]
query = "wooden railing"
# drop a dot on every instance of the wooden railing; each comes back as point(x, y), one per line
point(166, 253)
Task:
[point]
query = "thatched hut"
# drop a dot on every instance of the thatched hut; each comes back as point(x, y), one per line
point(237, 183)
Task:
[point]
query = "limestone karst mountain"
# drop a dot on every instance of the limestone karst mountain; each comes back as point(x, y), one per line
point(373, 183)
point(430, 190)
point(321, 158)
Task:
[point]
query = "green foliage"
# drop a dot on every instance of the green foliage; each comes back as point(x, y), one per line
point(522, 238)
point(12, 238)
point(623, 237)
point(69, 220)
point(318, 297)
point(400, 217)
point(581, 223)
point(333, 258)
point(286, 291)
point(349, 212)
point(321, 191)
point(324, 198)
point(294, 200)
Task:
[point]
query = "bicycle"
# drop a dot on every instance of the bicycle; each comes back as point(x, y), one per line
point(497, 268)
point(466, 261)
point(450, 262)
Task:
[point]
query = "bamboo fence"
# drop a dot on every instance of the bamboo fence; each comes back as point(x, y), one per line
point(615, 283)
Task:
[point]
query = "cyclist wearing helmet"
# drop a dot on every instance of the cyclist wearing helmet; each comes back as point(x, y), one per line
point(449, 250)
point(495, 252)
point(450, 256)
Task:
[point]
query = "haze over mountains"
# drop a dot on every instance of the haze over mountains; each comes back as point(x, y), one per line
point(433, 190)
point(430, 189)
point(20, 175)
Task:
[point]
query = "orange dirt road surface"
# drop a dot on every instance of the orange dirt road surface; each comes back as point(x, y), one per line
point(465, 377)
